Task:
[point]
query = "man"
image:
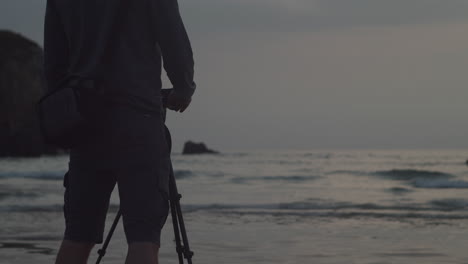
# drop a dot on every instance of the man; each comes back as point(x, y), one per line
point(116, 46)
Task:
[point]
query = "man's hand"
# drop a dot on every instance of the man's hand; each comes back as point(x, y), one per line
point(177, 102)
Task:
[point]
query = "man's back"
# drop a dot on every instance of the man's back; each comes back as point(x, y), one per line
point(124, 145)
point(119, 48)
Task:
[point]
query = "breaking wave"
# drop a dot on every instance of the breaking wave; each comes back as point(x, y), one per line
point(310, 205)
point(409, 175)
point(425, 179)
point(435, 210)
point(446, 209)
point(451, 204)
point(440, 184)
point(183, 174)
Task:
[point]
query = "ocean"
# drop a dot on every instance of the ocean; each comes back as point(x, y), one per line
point(314, 207)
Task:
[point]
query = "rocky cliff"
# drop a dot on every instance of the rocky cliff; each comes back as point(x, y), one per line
point(21, 85)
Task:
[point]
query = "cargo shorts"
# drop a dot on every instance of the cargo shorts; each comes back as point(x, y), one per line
point(128, 148)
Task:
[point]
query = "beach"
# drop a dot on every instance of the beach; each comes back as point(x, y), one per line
point(327, 206)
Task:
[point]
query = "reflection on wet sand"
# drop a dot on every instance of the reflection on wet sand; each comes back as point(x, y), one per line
point(29, 247)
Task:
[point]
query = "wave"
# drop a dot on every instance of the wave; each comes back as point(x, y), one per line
point(183, 174)
point(37, 175)
point(51, 208)
point(410, 175)
point(451, 204)
point(30, 238)
point(432, 164)
point(318, 155)
point(399, 190)
point(31, 247)
point(348, 172)
point(235, 154)
point(425, 179)
point(58, 175)
point(306, 205)
point(17, 194)
point(440, 184)
point(416, 178)
point(436, 205)
point(435, 210)
point(350, 215)
point(294, 178)
point(32, 208)
point(443, 205)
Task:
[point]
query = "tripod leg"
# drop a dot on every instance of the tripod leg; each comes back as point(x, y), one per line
point(175, 224)
point(187, 252)
point(176, 212)
point(175, 205)
point(102, 251)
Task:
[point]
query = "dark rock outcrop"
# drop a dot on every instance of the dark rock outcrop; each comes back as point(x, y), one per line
point(21, 85)
point(197, 148)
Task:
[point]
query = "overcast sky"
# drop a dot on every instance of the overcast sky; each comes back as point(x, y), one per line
point(307, 74)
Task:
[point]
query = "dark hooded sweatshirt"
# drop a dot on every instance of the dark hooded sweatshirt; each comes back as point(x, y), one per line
point(120, 50)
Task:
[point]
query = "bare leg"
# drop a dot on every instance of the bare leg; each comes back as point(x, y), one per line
point(142, 253)
point(74, 252)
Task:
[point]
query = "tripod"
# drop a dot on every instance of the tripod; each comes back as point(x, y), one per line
point(183, 250)
point(182, 246)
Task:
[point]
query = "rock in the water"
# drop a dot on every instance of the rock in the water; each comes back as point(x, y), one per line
point(197, 148)
point(21, 85)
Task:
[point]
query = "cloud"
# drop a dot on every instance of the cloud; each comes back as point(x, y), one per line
point(25, 17)
point(316, 15)
point(237, 16)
